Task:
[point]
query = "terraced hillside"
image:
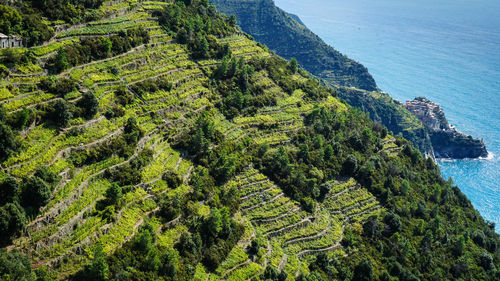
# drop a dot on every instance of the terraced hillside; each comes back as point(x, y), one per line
point(159, 142)
point(263, 20)
point(289, 235)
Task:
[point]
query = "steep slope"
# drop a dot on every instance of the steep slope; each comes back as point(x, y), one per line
point(167, 145)
point(286, 36)
point(387, 111)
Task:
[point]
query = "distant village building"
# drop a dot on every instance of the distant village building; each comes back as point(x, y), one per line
point(429, 112)
point(10, 41)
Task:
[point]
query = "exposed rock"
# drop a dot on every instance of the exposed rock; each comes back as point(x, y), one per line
point(446, 140)
point(456, 145)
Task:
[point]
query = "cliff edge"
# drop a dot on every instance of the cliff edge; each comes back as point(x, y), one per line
point(446, 140)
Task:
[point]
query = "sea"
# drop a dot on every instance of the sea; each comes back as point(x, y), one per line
point(446, 50)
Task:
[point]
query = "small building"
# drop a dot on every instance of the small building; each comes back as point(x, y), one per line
point(10, 41)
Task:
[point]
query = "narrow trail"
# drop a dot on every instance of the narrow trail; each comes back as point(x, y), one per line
point(320, 250)
point(262, 203)
point(247, 261)
point(283, 261)
point(303, 222)
point(307, 238)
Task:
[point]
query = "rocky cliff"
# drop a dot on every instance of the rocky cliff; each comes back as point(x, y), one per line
point(286, 35)
point(446, 140)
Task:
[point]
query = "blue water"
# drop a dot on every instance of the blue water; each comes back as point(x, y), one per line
point(446, 50)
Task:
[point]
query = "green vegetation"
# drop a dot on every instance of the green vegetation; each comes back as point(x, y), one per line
point(162, 162)
point(383, 109)
point(89, 49)
point(296, 41)
point(27, 23)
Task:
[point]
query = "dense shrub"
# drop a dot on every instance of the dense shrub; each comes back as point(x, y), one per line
point(89, 105)
point(36, 192)
point(12, 220)
point(8, 143)
point(197, 30)
point(60, 114)
point(60, 87)
point(95, 48)
point(172, 178)
point(15, 266)
point(71, 11)
point(123, 97)
point(28, 24)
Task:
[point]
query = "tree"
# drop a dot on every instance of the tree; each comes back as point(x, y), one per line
point(169, 209)
point(254, 248)
point(479, 238)
point(15, 266)
point(35, 30)
point(9, 190)
point(114, 193)
point(350, 165)
point(243, 79)
point(393, 224)
point(293, 65)
point(8, 143)
point(214, 222)
point(200, 142)
point(132, 132)
point(172, 178)
point(486, 261)
point(189, 244)
point(371, 227)
point(12, 219)
point(61, 61)
point(328, 152)
point(19, 119)
point(45, 174)
point(89, 105)
point(459, 246)
point(36, 193)
point(200, 47)
point(363, 271)
point(98, 270)
point(10, 20)
point(123, 96)
point(303, 152)
point(170, 263)
point(232, 20)
point(61, 114)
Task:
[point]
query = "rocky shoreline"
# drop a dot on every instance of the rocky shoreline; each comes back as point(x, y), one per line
point(447, 142)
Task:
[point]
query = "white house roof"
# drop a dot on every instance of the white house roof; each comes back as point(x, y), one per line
point(3, 35)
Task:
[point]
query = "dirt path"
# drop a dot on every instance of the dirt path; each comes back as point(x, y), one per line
point(335, 246)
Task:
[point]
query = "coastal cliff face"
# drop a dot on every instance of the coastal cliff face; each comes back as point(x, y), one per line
point(285, 34)
point(456, 145)
point(264, 21)
point(446, 141)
